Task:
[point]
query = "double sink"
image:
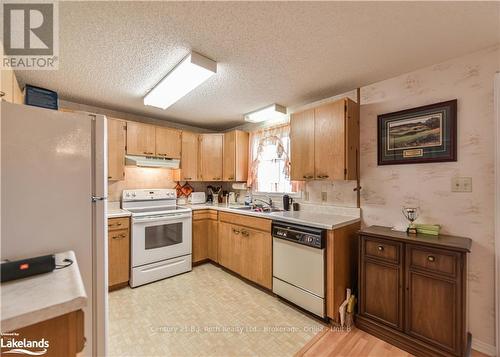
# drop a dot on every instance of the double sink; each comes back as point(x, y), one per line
point(257, 209)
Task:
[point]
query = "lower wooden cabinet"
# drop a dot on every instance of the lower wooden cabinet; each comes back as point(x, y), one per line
point(118, 252)
point(204, 235)
point(412, 290)
point(64, 333)
point(244, 249)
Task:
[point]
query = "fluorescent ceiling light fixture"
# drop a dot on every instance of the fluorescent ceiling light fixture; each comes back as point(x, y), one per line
point(271, 112)
point(189, 73)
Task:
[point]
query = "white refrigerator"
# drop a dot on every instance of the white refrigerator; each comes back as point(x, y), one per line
point(53, 198)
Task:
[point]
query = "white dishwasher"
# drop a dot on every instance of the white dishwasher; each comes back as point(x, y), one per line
point(299, 265)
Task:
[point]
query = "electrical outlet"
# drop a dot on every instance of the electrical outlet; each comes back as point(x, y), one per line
point(324, 196)
point(461, 184)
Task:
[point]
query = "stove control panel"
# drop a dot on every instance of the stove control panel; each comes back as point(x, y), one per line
point(149, 194)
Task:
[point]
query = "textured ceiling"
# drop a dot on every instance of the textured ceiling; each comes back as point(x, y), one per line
point(290, 53)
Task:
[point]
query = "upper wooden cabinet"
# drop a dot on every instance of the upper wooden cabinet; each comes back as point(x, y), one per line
point(168, 143)
point(211, 157)
point(116, 149)
point(141, 139)
point(302, 145)
point(150, 140)
point(325, 142)
point(9, 87)
point(189, 156)
point(235, 157)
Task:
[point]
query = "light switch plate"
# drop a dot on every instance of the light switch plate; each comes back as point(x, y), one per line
point(461, 184)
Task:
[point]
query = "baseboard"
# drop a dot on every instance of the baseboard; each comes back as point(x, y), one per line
point(483, 347)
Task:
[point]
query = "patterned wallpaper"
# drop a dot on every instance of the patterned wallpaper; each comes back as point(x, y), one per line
point(387, 188)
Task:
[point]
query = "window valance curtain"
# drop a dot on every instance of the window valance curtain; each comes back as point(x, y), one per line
point(278, 137)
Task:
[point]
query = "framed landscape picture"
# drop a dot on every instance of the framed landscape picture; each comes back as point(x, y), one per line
point(418, 135)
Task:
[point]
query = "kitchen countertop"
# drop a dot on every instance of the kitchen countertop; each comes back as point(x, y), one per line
point(307, 218)
point(42, 297)
point(114, 210)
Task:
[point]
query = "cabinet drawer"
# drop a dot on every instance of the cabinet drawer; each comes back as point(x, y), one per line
point(205, 214)
point(382, 249)
point(119, 234)
point(433, 260)
point(118, 223)
point(247, 221)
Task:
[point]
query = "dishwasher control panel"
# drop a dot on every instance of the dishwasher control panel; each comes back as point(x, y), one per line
point(310, 236)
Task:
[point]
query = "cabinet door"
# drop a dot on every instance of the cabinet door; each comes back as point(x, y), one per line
point(116, 149)
point(433, 297)
point(118, 256)
point(329, 141)
point(200, 240)
point(168, 143)
point(302, 145)
point(6, 82)
point(256, 248)
point(229, 247)
point(235, 165)
point(140, 139)
point(352, 143)
point(229, 164)
point(381, 290)
point(211, 156)
point(189, 156)
point(213, 240)
point(17, 93)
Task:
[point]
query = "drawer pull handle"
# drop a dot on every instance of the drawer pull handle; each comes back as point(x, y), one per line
point(380, 248)
point(119, 237)
point(187, 178)
point(148, 153)
point(431, 258)
point(307, 177)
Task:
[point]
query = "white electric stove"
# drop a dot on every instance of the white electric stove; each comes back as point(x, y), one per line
point(161, 235)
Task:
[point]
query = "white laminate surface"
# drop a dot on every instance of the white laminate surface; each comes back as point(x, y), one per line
point(115, 211)
point(319, 220)
point(330, 220)
point(42, 297)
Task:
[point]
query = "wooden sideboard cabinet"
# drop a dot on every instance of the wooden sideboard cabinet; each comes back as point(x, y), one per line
point(412, 290)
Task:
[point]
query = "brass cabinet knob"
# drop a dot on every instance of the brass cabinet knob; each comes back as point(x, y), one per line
point(380, 248)
point(235, 231)
point(431, 258)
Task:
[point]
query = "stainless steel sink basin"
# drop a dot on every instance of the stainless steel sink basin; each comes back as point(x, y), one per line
point(257, 209)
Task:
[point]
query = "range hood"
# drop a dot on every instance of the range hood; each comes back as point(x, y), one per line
point(144, 161)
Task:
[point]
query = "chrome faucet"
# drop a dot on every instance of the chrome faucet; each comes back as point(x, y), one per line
point(269, 203)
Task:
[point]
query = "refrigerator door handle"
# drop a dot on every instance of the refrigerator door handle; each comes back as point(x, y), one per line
point(98, 198)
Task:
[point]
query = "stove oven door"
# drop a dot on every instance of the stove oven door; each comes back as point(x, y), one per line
point(160, 237)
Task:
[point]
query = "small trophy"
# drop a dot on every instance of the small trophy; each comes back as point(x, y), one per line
point(411, 214)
